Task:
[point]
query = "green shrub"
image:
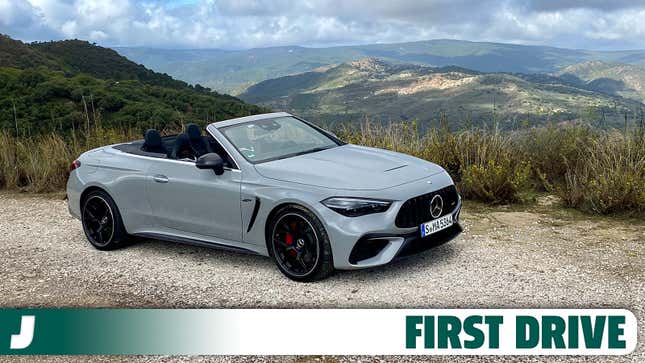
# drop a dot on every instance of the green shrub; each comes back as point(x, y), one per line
point(608, 177)
point(551, 150)
point(495, 181)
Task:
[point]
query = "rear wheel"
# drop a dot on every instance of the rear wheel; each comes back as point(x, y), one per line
point(299, 245)
point(102, 222)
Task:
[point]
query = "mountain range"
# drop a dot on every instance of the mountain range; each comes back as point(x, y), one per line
point(232, 71)
point(385, 91)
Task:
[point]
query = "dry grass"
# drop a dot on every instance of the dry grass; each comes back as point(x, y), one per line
point(40, 164)
point(595, 171)
point(481, 162)
point(591, 170)
point(608, 176)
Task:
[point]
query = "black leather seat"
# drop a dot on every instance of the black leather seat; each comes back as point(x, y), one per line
point(182, 148)
point(199, 143)
point(152, 142)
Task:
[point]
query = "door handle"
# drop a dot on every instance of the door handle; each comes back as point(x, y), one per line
point(160, 178)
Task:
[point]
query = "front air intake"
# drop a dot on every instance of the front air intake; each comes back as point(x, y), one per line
point(367, 248)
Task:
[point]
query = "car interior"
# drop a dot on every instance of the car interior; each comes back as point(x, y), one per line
point(187, 146)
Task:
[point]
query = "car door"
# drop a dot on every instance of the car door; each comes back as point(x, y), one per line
point(193, 200)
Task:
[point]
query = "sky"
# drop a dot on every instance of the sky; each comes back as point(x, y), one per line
point(231, 24)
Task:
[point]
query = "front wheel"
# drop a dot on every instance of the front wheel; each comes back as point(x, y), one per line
point(102, 222)
point(299, 244)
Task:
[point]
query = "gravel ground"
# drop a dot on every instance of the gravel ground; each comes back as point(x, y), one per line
point(542, 257)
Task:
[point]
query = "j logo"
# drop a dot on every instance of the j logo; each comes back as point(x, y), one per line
point(23, 340)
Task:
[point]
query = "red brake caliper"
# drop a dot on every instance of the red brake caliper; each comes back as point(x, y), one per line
point(289, 240)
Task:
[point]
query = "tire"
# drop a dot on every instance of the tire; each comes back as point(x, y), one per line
point(293, 235)
point(102, 222)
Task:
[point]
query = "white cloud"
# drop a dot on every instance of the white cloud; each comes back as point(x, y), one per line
point(97, 34)
point(100, 12)
point(16, 13)
point(259, 23)
point(69, 28)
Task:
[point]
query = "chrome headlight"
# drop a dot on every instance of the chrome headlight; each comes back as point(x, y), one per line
point(355, 207)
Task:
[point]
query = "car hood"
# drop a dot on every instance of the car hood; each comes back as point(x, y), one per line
point(349, 167)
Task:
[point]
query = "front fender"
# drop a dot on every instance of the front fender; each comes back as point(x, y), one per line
point(271, 198)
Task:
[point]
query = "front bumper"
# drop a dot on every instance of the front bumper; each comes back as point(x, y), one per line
point(375, 249)
point(414, 244)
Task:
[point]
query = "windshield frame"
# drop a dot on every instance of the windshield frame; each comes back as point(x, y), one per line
point(322, 131)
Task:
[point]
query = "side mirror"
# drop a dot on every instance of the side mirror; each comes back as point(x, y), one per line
point(211, 161)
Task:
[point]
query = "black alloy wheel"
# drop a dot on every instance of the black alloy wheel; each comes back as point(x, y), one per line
point(102, 222)
point(300, 246)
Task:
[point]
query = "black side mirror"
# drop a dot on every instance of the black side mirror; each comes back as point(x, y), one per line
point(211, 161)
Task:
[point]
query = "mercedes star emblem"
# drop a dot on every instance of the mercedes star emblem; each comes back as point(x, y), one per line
point(436, 206)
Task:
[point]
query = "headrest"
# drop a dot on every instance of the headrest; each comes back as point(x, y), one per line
point(182, 139)
point(193, 131)
point(152, 138)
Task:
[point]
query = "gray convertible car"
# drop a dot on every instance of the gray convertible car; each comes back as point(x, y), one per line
point(270, 184)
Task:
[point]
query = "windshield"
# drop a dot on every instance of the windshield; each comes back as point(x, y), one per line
point(276, 138)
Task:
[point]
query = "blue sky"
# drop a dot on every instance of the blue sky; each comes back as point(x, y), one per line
point(230, 24)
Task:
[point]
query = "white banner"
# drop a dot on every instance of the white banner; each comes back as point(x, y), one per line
point(434, 331)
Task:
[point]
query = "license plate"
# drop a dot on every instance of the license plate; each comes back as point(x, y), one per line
point(437, 225)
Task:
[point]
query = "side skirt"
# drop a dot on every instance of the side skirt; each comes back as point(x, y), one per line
point(194, 242)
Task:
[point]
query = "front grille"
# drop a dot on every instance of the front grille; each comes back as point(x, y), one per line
point(417, 210)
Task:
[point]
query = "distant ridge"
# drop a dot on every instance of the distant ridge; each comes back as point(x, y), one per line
point(234, 70)
point(627, 80)
point(384, 91)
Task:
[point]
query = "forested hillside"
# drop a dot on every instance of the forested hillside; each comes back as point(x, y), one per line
point(73, 84)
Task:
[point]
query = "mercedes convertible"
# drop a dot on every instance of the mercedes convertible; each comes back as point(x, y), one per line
point(270, 184)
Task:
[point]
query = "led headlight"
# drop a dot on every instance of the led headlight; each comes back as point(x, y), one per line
point(355, 207)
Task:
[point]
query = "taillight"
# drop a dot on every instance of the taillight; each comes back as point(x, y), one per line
point(74, 165)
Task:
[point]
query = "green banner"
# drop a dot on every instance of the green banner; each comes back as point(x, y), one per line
point(114, 331)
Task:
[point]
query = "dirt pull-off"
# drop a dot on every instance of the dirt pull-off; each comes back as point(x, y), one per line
point(542, 257)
